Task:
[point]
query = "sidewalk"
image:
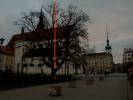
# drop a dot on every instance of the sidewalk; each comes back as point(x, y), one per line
point(130, 91)
point(112, 88)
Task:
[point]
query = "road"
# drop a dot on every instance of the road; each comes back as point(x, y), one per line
point(112, 88)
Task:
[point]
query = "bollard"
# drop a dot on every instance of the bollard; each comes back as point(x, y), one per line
point(90, 81)
point(101, 78)
point(72, 84)
point(55, 91)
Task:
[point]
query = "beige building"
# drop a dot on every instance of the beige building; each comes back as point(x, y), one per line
point(6, 58)
point(127, 58)
point(98, 62)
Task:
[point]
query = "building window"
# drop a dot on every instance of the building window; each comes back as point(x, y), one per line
point(32, 60)
point(39, 65)
point(31, 65)
point(18, 65)
point(25, 65)
point(40, 59)
point(34, 46)
point(40, 46)
point(24, 60)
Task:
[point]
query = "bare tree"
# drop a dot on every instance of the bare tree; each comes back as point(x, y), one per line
point(73, 23)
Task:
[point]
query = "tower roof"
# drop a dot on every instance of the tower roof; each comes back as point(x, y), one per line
point(108, 46)
point(40, 23)
point(107, 36)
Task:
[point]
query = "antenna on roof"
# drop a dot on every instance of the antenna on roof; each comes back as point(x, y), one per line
point(107, 32)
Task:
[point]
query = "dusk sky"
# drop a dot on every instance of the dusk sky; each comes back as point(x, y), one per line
point(117, 14)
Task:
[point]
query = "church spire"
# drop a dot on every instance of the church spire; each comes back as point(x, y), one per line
point(107, 35)
point(108, 46)
point(40, 23)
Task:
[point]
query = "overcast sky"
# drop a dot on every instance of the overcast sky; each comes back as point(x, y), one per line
point(118, 14)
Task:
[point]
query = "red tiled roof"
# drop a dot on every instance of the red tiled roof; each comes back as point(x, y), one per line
point(37, 35)
point(6, 51)
point(41, 52)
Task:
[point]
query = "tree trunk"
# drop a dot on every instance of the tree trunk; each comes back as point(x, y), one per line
point(53, 73)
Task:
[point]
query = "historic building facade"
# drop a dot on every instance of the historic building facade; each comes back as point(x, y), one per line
point(26, 51)
point(127, 58)
point(127, 55)
point(30, 48)
point(98, 62)
point(6, 59)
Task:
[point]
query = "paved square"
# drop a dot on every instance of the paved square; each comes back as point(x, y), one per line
point(112, 88)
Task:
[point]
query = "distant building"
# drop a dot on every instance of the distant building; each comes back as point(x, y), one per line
point(127, 55)
point(98, 62)
point(119, 68)
point(6, 59)
point(127, 58)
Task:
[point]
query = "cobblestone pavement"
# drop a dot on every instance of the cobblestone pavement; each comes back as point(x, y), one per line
point(112, 88)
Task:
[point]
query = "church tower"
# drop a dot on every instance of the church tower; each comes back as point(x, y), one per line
point(108, 48)
point(41, 20)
